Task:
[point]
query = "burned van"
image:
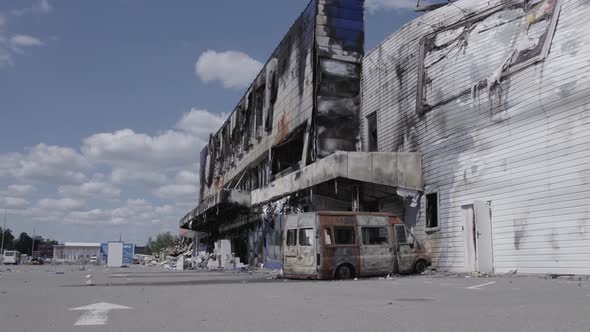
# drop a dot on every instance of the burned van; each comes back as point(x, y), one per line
point(343, 245)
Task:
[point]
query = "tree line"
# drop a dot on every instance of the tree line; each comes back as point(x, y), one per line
point(24, 243)
point(161, 242)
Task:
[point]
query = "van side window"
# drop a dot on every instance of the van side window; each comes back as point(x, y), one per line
point(400, 234)
point(344, 235)
point(328, 236)
point(291, 237)
point(374, 235)
point(305, 236)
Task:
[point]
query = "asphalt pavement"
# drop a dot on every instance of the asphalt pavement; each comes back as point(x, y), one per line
point(66, 298)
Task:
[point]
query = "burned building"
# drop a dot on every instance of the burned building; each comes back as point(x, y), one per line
point(293, 144)
point(470, 123)
point(495, 96)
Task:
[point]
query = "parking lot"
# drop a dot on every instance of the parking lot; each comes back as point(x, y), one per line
point(41, 298)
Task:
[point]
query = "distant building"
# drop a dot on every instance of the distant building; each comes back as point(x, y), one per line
point(75, 252)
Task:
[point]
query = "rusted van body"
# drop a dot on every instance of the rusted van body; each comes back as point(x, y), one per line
point(342, 245)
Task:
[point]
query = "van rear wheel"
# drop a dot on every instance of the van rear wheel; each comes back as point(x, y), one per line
point(344, 272)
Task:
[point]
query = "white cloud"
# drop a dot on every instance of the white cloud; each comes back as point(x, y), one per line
point(63, 204)
point(90, 189)
point(135, 212)
point(42, 6)
point(177, 191)
point(19, 190)
point(127, 148)
point(375, 5)
point(13, 203)
point(8, 163)
point(39, 7)
point(183, 189)
point(232, 68)
point(48, 164)
point(185, 177)
point(149, 159)
point(10, 46)
point(201, 122)
point(109, 165)
point(127, 176)
point(24, 41)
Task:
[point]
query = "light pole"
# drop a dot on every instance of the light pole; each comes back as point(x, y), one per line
point(3, 232)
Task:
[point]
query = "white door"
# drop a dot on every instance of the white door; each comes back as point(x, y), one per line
point(470, 238)
point(483, 237)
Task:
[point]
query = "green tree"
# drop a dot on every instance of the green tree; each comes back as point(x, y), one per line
point(8, 239)
point(162, 241)
point(23, 243)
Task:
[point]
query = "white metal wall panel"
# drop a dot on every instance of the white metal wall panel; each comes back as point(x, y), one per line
point(528, 155)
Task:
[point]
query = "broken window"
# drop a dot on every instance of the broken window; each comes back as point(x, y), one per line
point(432, 211)
point(260, 92)
point(372, 131)
point(288, 154)
point(541, 20)
point(291, 237)
point(305, 236)
point(400, 234)
point(328, 236)
point(344, 235)
point(375, 235)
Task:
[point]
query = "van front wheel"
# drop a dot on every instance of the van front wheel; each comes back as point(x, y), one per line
point(344, 272)
point(420, 266)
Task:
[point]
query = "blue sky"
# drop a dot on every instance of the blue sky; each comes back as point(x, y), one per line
point(105, 104)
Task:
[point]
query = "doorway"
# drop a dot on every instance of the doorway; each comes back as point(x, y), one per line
point(478, 237)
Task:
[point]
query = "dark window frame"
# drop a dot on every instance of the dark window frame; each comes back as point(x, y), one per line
point(372, 126)
point(335, 236)
point(289, 243)
point(299, 231)
point(432, 207)
point(364, 238)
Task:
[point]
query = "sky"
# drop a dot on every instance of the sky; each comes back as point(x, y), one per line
point(105, 105)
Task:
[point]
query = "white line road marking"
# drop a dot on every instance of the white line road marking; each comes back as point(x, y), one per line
point(96, 314)
point(482, 285)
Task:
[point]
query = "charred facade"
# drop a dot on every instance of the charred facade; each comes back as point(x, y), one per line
point(293, 142)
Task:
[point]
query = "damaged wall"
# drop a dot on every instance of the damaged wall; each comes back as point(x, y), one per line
point(278, 102)
point(303, 106)
point(501, 123)
point(340, 48)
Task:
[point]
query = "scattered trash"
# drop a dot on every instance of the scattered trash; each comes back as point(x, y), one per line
point(512, 271)
point(90, 283)
point(275, 274)
point(88, 276)
point(355, 279)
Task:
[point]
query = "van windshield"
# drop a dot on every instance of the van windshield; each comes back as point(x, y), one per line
point(9, 253)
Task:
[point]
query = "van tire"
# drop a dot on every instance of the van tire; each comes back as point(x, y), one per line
point(344, 272)
point(420, 266)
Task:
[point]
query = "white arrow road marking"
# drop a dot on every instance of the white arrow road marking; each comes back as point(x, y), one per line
point(482, 285)
point(96, 314)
